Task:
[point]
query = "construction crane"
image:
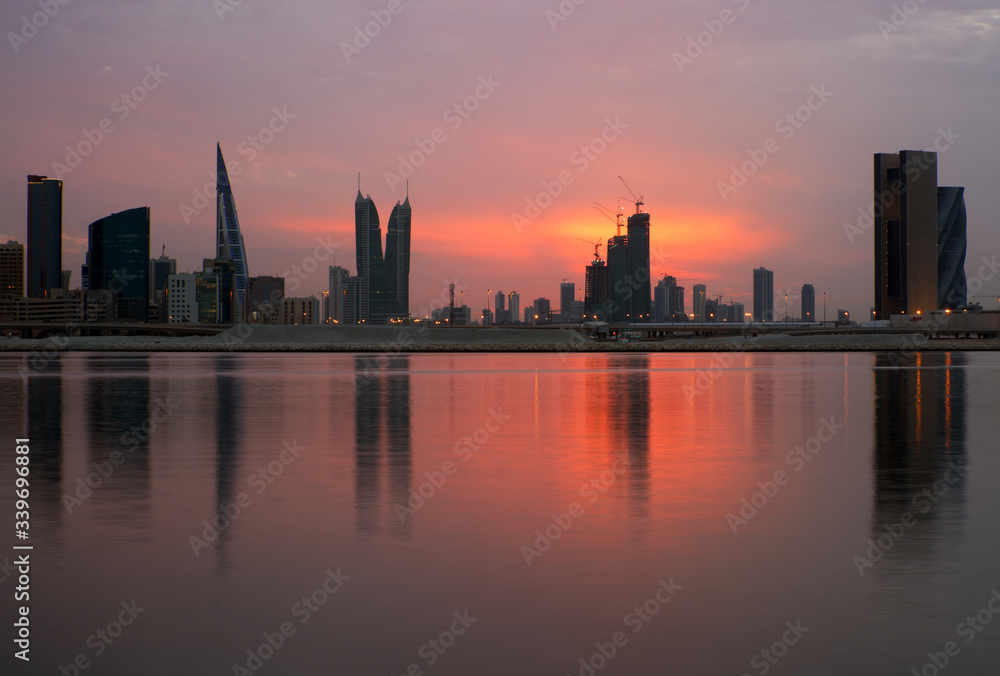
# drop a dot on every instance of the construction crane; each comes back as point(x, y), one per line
point(637, 199)
point(596, 245)
point(612, 215)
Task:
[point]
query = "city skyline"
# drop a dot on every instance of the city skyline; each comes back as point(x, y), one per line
point(675, 143)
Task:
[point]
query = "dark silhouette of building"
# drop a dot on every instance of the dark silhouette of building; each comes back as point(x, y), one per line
point(567, 292)
point(11, 270)
point(229, 237)
point(906, 233)
point(377, 303)
point(808, 303)
point(952, 284)
point(639, 270)
point(763, 295)
point(618, 278)
point(119, 261)
point(266, 295)
point(397, 255)
point(596, 296)
point(45, 197)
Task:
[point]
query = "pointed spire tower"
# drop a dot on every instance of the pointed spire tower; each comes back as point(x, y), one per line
point(229, 239)
point(397, 253)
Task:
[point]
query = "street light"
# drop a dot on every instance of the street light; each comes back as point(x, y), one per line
point(824, 308)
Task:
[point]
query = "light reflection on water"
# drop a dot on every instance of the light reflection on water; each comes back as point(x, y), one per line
point(426, 478)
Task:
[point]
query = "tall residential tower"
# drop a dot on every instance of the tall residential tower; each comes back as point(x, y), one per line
point(229, 238)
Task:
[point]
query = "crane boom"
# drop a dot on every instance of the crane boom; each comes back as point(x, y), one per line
point(636, 198)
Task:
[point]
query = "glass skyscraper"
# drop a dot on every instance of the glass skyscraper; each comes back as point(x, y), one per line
point(952, 286)
point(229, 238)
point(377, 303)
point(397, 255)
point(44, 235)
point(119, 260)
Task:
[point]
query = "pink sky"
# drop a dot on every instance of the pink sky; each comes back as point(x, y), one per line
point(532, 89)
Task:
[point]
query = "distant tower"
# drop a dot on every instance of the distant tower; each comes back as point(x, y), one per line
point(567, 292)
point(119, 260)
point(11, 270)
point(595, 289)
point(763, 295)
point(397, 254)
point(45, 197)
point(229, 239)
point(808, 303)
point(639, 272)
point(618, 278)
point(698, 297)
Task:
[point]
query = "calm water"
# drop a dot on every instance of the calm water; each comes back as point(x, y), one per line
point(565, 507)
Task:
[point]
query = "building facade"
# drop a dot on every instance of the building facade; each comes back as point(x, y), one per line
point(952, 284)
point(45, 202)
point(808, 303)
point(229, 237)
point(119, 261)
point(11, 270)
point(763, 295)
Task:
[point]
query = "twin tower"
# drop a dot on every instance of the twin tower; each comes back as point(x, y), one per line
point(383, 283)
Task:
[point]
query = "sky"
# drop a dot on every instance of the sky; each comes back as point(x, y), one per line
point(747, 128)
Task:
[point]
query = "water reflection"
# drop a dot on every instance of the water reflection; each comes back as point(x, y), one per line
point(382, 443)
point(919, 456)
point(628, 394)
point(45, 427)
point(119, 428)
point(228, 441)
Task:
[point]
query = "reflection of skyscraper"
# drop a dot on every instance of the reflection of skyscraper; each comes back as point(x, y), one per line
point(628, 396)
point(382, 429)
point(45, 198)
point(228, 416)
point(919, 452)
point(117, 408)
point(45, 408)
point(229, 237)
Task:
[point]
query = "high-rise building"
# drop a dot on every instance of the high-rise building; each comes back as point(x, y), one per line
point(338, 287)
point(119, 260)
point(397, 254)
point(763, 295)
point(543, 310)
point(500, 308)
point(229, 237)
point(529, 314)
point(618, 279)
point(265, 296)
point(952, 284)
point(352, 300)
point(906, 233)
point(12, 270)
point(675, 301)
point(639, 271)
point(698, 298)
point(513, 306)
point(45, 198)
point(567, 292)
point(377, 303)
point(808, 303)
point(228, 308)
point(596, 284)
